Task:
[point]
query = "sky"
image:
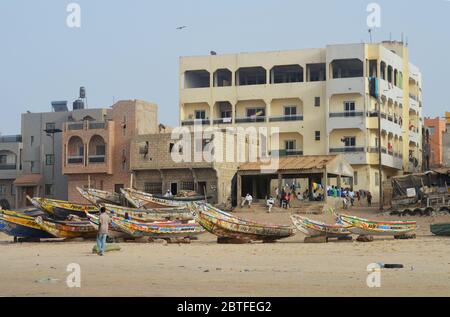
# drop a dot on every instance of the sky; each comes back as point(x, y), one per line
point(130, 49)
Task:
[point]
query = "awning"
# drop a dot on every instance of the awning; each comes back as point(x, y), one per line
point(28, 180)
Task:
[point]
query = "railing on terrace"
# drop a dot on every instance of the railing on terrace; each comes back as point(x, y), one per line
point(286, 118)
point(347, 114)
point(8, 167)
point(97, 158)
point(87, 125)
point(195, 122)
point(96, 125)
point(75, 126)
point(374, 149)
point(349, 149)
point(75, 160)
point(10, 138)
point(250, 119)
point(223, 121)
point(283, 153)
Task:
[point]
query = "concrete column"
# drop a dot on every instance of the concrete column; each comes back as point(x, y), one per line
point(310, 186)
point(239, 190)
point(339, 181)
point(324, 184)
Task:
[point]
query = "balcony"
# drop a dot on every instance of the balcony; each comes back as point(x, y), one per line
point(11, 139)
point(185, 123)
point(223, 121)
point(349, 149)
point(284, 153)
point(286, 118)
point(251, 119)
point(97, 158)
point(8, 167)
point(414, 136)
point(75, 160)
point(346, 120)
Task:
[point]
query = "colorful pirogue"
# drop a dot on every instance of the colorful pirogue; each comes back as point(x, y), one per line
point(225, 225)
point(157, 229)
point(62, 209)
point(67, 229)
point(440, 229)
point(140, 199)
point(377, 228)
point(313, 228)
point(96, 196)
point(149, 215)
point(113, 232)
point(21, 225)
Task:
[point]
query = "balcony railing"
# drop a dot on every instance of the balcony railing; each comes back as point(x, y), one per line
point(75, 126)
point(8, 167)
point(11, 139)
point(97, 158)
point(346, 114)
point(195, 122)
point(251, 119)
point(286, 118)
point(97, 125)
point(223, 121)
point(284, 153)
point(75, 160)
point(349, 149)
point(87, 125)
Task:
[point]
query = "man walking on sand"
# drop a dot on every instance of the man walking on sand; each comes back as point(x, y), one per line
point(102, 231)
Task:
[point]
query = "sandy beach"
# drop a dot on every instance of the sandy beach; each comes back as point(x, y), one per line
point(205, 268)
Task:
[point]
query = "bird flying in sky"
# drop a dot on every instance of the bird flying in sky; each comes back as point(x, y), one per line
point(181, 27)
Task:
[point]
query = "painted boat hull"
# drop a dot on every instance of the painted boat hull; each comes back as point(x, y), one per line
point(97, 197)
point(62, 209)
point(148, 215)
point(140, 199)
point(22, 227)
point(226, 225)
point(113, 231)
point(313, 228)
point(367, 227)
point(441, 229)
point(67, 229)
point(158, 230)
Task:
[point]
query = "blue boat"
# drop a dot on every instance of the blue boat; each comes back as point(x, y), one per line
point(21, 226)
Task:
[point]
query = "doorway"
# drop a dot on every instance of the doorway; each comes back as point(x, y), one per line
point(201, 188)
point(29, 191)
point(174, 188)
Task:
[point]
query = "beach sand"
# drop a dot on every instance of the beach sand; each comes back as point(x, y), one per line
point(205, 268)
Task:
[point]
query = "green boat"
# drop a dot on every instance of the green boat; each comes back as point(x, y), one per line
point(441, 229)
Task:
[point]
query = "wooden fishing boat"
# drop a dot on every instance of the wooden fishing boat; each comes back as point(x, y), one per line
point(96, 196)
point(141, 200)
point(168, 229)
point(367, 227)
point(67, 229)
point(312, 228)
point(21, 225)
point(113, 231)
point(225, 225)
point(149, 215)
point(62, 209)
point(440, 229)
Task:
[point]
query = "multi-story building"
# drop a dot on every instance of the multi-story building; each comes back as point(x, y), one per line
point(42, 151)
point(435, 129)
point(319, 99)
point(10, 168)
point(96, 152)
point(446, 142)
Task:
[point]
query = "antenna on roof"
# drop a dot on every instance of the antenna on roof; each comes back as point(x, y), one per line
point(370, 35)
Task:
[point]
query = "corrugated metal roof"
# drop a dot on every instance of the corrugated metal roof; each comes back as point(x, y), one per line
point(294, 163)
point(30, 180)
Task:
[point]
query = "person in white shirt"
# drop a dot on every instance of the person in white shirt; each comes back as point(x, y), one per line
point(168, 193)
point(247, 200)
point(270, 203)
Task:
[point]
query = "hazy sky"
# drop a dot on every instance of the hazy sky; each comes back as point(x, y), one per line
point(129, 49)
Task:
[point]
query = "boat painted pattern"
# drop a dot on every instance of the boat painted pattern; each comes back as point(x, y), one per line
point(144, 200)
point(149, 215)
point(19, 225)
point(314, 228)
point(67, 229)
point(377, 228)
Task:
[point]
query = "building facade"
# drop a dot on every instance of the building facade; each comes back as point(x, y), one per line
point(436, 129)
point(446, 142)
point(96, 152)
point(320, 101)
point(10, 168)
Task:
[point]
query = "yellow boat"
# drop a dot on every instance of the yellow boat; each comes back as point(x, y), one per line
point(67, 229)
point(62, 209)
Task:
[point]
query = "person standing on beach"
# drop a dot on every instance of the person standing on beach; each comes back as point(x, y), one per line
point(369, 199)
point(103, 227)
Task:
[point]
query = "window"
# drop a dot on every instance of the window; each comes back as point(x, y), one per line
point(3, 189)
point(290, 145)
point(3, 159)
point(225, 114)
point(317, 135)
point(118, 187)
point(48, 189)
point(32, 140)
point(153, 188)
point(317, 102)
point(100, 150)
point(377, 179)
point(350, 141)
point(256, 112)
point(349, 106)
point(171, 145)
point(200, 115)
point(431, 130)
point(50, 159)
point(50, 126)
point(187, 185)
point(290, 111)
point(355, 178)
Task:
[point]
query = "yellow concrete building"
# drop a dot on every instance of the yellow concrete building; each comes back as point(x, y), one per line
point(319, 99)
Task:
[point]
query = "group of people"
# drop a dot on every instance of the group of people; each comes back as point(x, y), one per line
point(349, 196)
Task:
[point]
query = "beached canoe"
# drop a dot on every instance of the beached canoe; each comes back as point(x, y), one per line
point(21, 225)
point(440, 229)
point(62, 209)
point(141, 200)
point(96, 196)
point(168, 229)
point(367, 227)
point(113, 232)
point(149, 215)
point(67, 229)
point(312, 228)
point(225, 225)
